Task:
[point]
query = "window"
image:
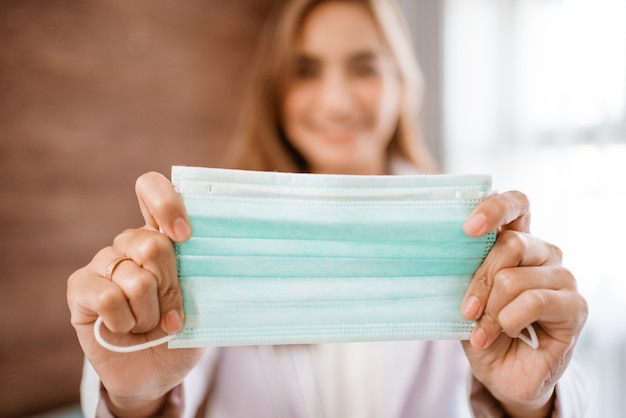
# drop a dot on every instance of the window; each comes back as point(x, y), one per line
point(534, 92)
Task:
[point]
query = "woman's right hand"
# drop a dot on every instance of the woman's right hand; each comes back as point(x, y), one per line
point(141, 301)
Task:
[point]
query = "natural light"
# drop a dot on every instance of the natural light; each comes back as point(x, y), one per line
point(535, 94)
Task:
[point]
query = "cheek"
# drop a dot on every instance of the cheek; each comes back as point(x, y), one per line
point(389, 103)
point(370, 93)
point(381, 98)
point(294, 105)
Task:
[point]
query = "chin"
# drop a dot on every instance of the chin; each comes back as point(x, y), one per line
point(340, 167)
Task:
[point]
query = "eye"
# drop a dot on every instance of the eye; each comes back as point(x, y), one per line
point(365, 70)
point(306, 68)
point(366, 66)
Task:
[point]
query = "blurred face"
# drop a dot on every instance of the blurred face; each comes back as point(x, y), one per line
point(342, 105)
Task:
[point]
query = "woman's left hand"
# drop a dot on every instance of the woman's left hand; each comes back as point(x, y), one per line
point(521, 282)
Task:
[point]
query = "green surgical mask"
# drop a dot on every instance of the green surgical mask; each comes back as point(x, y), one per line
point(280, 258)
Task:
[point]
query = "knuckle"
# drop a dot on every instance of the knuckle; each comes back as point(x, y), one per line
point(72, 289)
point(102, 258)
point(506, 282)
point(568, 276)
point(515, 201)
point(123, 237)
point(557, 252)
point(141, 285)
point(74, 277)
point(497, 205)
point(535, 300)
point(522, 198)
point(583, 311)
point(155, 247)
point(109, 299)
point(514, 242)
point(562, 278)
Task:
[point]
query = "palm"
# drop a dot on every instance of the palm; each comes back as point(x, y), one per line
point(515, 372)
point(146, 373)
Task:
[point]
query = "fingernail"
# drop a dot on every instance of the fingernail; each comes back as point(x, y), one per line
point(471, 308)
point(475, 224)
point(173, 322)
point(182, 230)
point(478, 338)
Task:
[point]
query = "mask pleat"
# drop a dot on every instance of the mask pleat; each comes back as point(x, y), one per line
point(288, 258)
point(395, 228)
point(266, 266)
point(416, 248)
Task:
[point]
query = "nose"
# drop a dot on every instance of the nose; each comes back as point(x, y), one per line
point(335, 95)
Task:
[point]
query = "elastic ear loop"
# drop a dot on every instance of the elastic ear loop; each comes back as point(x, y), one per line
point(530, 339)
point(130, 348)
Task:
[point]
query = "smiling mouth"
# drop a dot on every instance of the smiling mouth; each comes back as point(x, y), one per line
point(338, 135)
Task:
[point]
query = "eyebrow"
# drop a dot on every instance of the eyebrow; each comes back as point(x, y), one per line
point(364, 56)
point(306, 58)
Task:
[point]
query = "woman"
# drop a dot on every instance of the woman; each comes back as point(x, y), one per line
point(334, 91)
point(281, 79)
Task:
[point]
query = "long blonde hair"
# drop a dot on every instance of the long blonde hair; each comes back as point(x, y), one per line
point(260, 143)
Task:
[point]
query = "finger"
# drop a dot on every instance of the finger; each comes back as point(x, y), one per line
point(516, 287)
point(511, 249)
point(140, 287)
point(90, 295)
point(527, 308)
point(510, 210)
point(91, 298)
point(154, 253)
point(162, 207)
point(555, 310)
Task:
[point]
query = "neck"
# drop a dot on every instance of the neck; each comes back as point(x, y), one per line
point(378, 168)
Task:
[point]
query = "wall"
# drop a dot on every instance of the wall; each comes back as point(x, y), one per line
point(92, 94)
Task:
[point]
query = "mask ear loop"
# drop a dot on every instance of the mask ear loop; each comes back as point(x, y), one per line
point(131, 348)
point(530, 339)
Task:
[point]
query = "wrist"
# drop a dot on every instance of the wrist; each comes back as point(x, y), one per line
point(123, 407)
point(539, 409)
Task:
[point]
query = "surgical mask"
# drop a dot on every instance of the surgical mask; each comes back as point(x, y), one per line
point(280, 258)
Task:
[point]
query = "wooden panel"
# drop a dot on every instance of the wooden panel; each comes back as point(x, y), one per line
point(92, 94)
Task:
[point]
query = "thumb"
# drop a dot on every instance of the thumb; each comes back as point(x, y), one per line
point(172, 312)
point(162, 207)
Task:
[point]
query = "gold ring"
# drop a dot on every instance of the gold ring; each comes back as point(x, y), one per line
point(113, 265)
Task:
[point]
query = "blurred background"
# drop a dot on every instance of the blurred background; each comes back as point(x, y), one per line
point(534, 93)
point(92, 94)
